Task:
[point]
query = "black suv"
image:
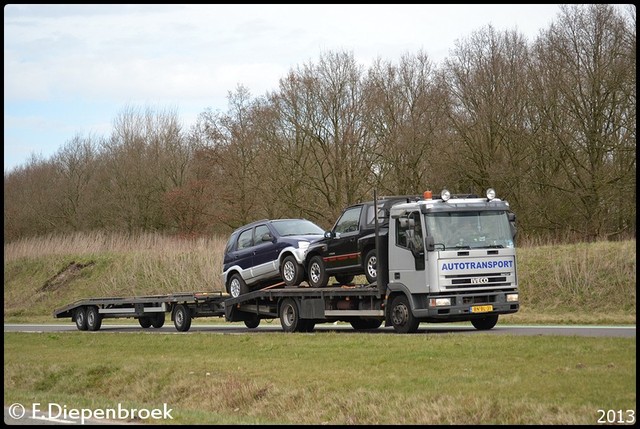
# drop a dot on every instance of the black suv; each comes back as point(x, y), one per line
point(265, 252)
point(349, 248)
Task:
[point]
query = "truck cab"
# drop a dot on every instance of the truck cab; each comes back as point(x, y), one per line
point(451, 259)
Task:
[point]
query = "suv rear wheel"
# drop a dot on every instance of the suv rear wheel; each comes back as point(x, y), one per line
point(371, 266)
point(237, 286)
point(317, 272)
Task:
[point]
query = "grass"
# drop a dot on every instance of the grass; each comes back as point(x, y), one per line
point(327, 378)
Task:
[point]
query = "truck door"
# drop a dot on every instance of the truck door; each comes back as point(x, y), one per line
point(407, 253)
point(342, 250)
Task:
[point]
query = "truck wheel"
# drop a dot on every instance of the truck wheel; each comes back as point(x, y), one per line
point(344, 279)
point(290, 317)
point(360, 324)
point(158, 320)
point(371, 266)
point(402, 318)
point(94, 318)
point(144, 321)
point(253, 322)
point(291, 272)
point(182, 318)
point(81, 318)
point(484, 323)
point(237, 286)
point(317, 272)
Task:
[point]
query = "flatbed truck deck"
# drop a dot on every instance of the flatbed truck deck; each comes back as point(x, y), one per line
point(298, 307)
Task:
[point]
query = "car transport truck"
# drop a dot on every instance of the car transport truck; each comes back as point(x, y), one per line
point(450, 258)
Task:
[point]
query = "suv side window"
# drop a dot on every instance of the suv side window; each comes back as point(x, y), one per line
point(260, 231)
point(349, 220)
point(245, 239)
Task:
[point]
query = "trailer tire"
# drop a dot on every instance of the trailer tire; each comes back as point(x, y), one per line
point(80, 317)
point(290, 316)
point(144, 321)
point(402, 319)
point(291, 272)
point(158, 320)
point(484, 323)
point(362, 324)
point(317, 272)
point(237, 286)
point(253, 322)
point(94, 318)
point(182, 318)
point(371, 266)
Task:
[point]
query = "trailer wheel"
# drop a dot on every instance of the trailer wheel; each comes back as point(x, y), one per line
point(237, 286)
point(371, 266)
point(253, 322)
point(158, 320)
point(361, 324)
point(144, 321)
point(402, 318)
point(290, 317)
point(182, 318)
point(81, 318)
point(291, 272)
point(484, 323)
point(94, 318)
point(317, 272)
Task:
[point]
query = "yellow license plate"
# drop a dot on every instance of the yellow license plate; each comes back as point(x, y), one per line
point(481, 308)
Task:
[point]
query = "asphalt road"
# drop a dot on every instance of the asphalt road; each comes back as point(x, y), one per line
point(274, 326)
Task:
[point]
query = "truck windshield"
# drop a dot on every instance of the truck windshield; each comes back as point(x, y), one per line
point(469, 230)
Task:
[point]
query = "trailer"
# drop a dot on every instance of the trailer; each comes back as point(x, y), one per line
point(447, 259)
point(299, 308)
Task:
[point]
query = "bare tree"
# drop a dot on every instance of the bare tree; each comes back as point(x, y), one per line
point(584, 80)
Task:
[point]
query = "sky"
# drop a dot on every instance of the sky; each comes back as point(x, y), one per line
point(71, 70)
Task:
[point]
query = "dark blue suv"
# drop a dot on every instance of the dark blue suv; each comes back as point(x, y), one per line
point(266, 252)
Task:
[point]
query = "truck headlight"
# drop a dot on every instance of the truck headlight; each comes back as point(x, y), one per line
point(512, 297)
point(303, 245)
point(439, 302)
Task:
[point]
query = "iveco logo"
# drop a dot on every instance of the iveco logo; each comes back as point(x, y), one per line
point(479, 280)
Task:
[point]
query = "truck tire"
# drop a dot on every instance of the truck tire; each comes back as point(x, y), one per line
point(237, 286)
point(402, 319)
point(344, 279)
point(182, 318)
point(144, 321)
point(158, 320)
point(290, 316)
point(361, 324)
point(253, 322)
point(485, 323)
point(81, 318)
point(94, 318)
point(291, 272)
point(370, 266)
point(318, 272)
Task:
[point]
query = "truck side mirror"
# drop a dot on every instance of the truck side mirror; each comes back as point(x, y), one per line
point(512, 224)
point(328, 234)
point(429, 243)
